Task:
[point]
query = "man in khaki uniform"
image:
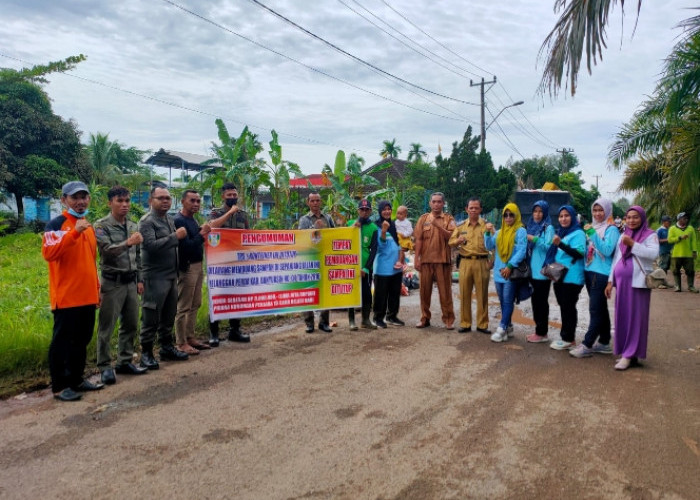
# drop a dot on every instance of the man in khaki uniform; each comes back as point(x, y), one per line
point(433, 260)
point(474, 273)
point(120, 264)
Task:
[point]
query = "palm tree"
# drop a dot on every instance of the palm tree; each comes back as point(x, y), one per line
point(390, 149)
point(661, 143)
point(416, 153)
point(100, 151)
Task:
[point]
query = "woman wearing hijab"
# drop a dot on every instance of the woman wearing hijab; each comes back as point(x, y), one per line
point(568, 248)
point(388, 270)
point(540, 233)
point(510, 243)
point(634, 258)
point(602, 238)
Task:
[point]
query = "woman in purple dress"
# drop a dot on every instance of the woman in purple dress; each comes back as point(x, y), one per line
point(634, 257)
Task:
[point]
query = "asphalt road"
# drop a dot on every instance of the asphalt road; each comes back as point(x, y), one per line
point(399, 413)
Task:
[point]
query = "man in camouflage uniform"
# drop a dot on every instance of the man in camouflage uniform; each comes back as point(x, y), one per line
point(229, 216)
point(120, 264)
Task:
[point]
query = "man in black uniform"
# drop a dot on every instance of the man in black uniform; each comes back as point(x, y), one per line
point(159, 262)
point(229, 215)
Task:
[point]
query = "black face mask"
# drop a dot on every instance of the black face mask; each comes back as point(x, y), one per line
point(231, 202)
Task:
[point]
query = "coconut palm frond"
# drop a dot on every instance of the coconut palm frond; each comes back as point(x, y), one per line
point(581, 25)
point(645, 134)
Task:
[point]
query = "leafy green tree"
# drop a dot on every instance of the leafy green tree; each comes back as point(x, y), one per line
point(38, 149)
point(533, 173)
point(469, 172)
point(390, 149)
point(416, 153)
point(348, 184)
point(582, 198)
point(236, 161)
point(280, 191)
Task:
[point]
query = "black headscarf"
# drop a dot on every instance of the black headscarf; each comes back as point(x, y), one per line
point(392, 226)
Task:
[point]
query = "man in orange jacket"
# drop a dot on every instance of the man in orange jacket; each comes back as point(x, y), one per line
point(70, 248)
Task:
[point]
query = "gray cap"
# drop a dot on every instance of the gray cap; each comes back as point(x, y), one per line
point(72, 187)
point(680, 216)
point(665, 218)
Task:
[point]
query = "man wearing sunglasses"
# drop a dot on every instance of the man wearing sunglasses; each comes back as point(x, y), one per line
point(468, 237)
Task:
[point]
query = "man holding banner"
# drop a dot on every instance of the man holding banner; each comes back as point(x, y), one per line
point(230, 216)
point(315, 219)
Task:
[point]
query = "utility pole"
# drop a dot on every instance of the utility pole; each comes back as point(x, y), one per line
point(596, 180)
point(483, 108)
point(564, 163)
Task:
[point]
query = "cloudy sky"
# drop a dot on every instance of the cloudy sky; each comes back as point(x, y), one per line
point(157, 75)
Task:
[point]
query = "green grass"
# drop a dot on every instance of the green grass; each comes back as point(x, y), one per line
point(26, 321)
point(25, 315)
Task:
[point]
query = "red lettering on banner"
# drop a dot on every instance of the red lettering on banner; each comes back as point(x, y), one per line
point(342, 245)
point(341, 289)
point(269, 300)
point(341, 260)
point(341, 274)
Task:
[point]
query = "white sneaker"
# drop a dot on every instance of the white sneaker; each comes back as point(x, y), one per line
point(500, 336)
point(509, 331)
point(561, 345)
point(581, 351)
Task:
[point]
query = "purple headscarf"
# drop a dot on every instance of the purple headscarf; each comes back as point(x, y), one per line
point(639, 235)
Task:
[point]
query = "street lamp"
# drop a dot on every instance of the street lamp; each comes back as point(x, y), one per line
point(484, 128)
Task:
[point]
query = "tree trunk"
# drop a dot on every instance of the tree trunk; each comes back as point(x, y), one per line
point(20, 207)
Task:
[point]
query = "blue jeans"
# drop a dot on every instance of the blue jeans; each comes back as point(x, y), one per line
point(506, 296)
point(599, 326)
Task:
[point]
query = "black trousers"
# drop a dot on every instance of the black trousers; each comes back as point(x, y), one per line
point(567, 298)
point(233, 323)
point(599, 326)
point(72, 330)
point(366, 288)
point(540, 305)
point(387, 296)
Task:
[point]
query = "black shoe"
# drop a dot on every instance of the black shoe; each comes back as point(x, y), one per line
point(380, 323)
point(148, 361)
point(395, 321)
point(368, 324)
point(214, 341)
point(324, 328)
point(108, 377)
point(309, 328)
point(67, 394)
point(86, 385)
point(169, 353)
point(238, 336)
point(465, 329)
point(130, 369)
point(484, 330)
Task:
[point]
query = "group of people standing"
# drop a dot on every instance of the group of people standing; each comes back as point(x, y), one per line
point(159, 259)
point(595, 256)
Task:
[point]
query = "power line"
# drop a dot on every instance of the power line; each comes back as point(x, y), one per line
point(352, 56)
point(519, 126)
point(407, 38)
point(509, 142)
point(554, 144)
point(316, 70)
point(435, 40)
